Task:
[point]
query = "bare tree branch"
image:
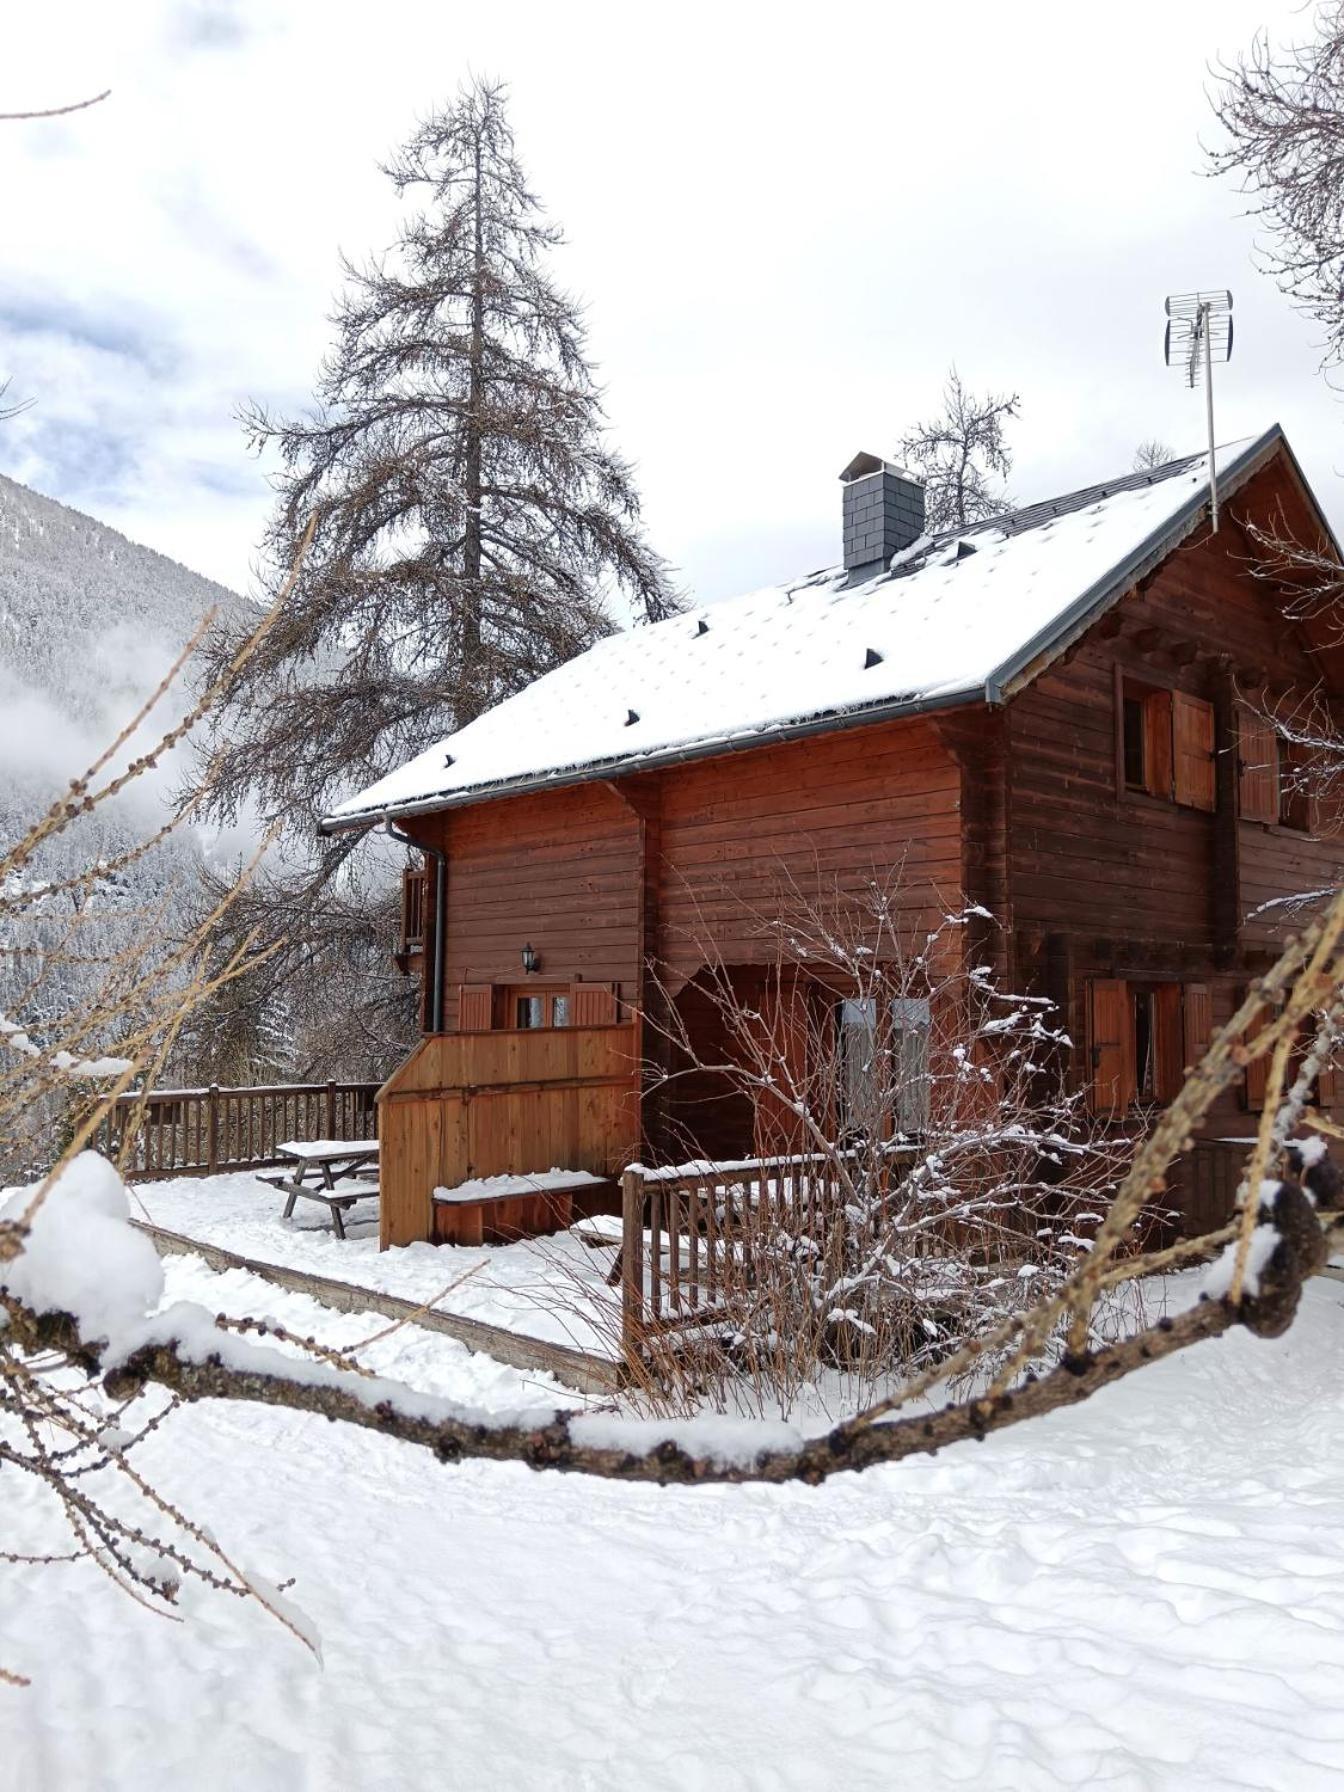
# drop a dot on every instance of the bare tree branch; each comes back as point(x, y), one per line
point(55, 111)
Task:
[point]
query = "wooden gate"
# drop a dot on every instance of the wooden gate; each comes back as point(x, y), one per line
point(508, 1102)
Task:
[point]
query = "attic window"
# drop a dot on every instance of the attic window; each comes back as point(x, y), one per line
point(702, 627)
point(631, 717)
point(965, 549)
point(871, 658)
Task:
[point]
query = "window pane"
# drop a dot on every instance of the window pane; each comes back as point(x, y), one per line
point(529, 1012)
point(560, 1011)
point(1134, 755)
point(1145, 1046)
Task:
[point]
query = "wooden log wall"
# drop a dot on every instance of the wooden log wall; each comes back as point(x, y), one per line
point(508, 1102)
point(558, 871)
point(837, 809)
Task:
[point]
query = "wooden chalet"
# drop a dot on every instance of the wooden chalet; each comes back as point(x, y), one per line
point(1058, 715)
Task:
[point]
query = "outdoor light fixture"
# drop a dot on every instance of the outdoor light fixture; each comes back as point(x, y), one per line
point(530, 960)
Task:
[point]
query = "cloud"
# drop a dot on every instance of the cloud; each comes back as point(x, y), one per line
point(205, 25)
point(769, 290)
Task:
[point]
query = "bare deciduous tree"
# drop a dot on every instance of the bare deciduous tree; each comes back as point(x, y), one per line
point(1283, 115)
point(1151, 453)
point(961, 454)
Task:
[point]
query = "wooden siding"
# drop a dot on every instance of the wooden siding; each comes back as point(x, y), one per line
point(509, 1102)
point(557, 871)
point(1093, 859)
point(836, 810)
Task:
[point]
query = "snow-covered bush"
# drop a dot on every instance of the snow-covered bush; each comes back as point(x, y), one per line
point(923, 1170)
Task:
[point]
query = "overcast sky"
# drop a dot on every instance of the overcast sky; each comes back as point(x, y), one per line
point(785, 221)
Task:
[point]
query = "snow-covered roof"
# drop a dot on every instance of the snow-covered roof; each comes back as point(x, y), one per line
point(957, 618)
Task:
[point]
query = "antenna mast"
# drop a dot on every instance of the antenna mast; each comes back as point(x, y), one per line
point(1199, 332)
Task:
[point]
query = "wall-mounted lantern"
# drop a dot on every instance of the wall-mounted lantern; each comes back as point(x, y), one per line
point(530, 960)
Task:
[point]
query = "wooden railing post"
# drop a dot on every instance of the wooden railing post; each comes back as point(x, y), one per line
point(632, 1268)
point(212, 1129)
point(329, 1120)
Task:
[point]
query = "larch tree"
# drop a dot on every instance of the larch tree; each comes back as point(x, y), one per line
point(962, 455)
point(469, 521)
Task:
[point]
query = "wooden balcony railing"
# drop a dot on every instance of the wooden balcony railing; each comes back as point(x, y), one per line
point(185, 1132)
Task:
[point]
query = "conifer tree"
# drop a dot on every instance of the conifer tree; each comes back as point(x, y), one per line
point(469, 518)
point(470, 525)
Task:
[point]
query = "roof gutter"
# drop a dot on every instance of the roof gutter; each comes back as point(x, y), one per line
point(888, 710)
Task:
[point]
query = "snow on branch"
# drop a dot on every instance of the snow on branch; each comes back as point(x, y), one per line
point(83, 1282)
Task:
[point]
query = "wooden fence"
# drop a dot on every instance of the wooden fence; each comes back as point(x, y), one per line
point(688, 1233)
point(507, 1102)
point(201, 1131)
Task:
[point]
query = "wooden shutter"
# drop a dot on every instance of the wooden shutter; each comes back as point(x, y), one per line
point(475, 1007)
point(1327, 1087)
point(1198, 1022)
point(593, 1005)
point(1257, 1072)
point(1157, 770)
point(1170, 1042)
point(1112, 1087)
point(1192, 732)
point(1257, 768)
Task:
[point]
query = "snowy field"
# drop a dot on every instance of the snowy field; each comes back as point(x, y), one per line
point(1144, 1593)
point(551, 1288)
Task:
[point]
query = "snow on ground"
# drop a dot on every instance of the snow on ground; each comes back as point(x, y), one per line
point(551, 1288)
point(1145, 1593)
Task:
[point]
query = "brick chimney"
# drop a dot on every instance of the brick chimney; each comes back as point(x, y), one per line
point(883, 513)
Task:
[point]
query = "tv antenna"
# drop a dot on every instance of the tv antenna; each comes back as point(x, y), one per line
point(1199, 332)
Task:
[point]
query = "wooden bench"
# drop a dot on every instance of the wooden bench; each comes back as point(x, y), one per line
point(337, 1200)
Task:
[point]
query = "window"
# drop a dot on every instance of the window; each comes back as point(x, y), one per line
point(1141, 1037)
point(1145, 1044)
point(1166, 743)
point(858, 1091)
point(883, 1091)
point(910, 1057)
point(1323, 1092)
point(545, 1009)
point(482, 1006)
point(1135, 756)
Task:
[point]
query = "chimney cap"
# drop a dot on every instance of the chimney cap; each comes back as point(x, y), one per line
point(863, 464)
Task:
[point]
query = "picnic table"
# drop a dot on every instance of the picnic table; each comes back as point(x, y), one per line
point(326, 1170)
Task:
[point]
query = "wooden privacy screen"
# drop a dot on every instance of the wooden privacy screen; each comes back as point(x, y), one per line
point(503, 1103)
